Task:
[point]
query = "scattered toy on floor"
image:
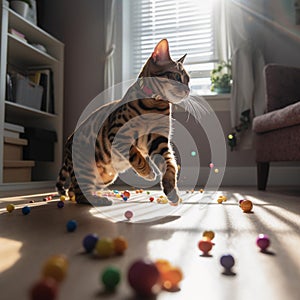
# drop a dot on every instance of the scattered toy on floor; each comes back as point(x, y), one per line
point(263, 242)
point(71, 225)
point(111, 277)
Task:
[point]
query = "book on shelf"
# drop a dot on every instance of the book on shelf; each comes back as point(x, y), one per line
point(44, 77)
point(17, 34)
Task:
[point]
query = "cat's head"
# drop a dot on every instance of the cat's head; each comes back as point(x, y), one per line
point(164, 77)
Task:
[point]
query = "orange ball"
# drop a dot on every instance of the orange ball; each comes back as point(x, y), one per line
point(246, 206)
point(171, 278)
point(120, 245)
point(162, 265)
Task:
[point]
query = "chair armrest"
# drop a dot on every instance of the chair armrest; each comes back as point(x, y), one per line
point(282, 86)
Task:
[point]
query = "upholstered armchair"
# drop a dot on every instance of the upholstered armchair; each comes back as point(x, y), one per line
point(277, 132)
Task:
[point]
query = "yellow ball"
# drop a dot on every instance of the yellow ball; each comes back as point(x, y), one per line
point(10, 208)
point(220, 200)
point(62, 198)
point(209, 234)
point(104, 247)
point(216, 171)
point(56, 267)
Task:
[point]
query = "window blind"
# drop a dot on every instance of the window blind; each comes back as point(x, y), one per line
point(189, 26)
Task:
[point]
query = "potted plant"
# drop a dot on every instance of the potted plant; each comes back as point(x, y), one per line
point(21, 6)
point(221, 78)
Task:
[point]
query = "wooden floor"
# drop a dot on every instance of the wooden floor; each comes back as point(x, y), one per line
point(159, 231)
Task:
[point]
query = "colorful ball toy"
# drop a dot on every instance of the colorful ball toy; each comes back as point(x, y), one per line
point(246, 206)
point(56, 267)
point(128, 214)
point(60, 204)
point(46, 289)
point(104, 247)
point(71, 225)
point(120, 245)
point(143, 276)
point(263, 242)
point(10, 208)
point(227, 261)
point(205, 245)
point(111, 277)
point(89, 242)
point(26, 210)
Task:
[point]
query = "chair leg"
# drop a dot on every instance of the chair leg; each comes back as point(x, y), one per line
point(262, 175)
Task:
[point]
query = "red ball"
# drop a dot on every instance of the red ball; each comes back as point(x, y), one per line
point(205, 245)
point(45, 289)
point(126, 194)
point(144, 277)
point(151, 199)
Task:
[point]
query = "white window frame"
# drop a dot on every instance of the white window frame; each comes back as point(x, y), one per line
point(221, 44)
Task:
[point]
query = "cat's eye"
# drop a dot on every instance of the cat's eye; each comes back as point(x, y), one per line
point(178, 77)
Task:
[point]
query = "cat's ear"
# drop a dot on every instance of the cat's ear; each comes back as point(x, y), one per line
point(161, 53)
point(181, 60)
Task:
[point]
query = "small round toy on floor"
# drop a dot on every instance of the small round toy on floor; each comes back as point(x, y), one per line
point(227, 261)
point(246, 206)
point(89, 242)
point(71, 225)
point(128, 214)
point(60, 204)
point(205, 245)
point(144, 278)
point(26, 210)
point(46, 289)
point(263, 242)
point(111, 277)
point(10, 208)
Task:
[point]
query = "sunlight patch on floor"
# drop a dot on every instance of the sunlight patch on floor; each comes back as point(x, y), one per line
point(9, 252)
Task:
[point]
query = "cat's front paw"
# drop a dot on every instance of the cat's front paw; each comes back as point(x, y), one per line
point(173, 197)
point(100, 201)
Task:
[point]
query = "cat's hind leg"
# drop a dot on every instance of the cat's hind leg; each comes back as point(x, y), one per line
point(85, 193)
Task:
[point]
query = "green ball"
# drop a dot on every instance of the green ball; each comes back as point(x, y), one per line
point(110, 278)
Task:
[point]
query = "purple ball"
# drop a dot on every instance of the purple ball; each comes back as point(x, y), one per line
point(263, 241)
point(89, 242)
point(60, 204)
point(143, 276)
point(227, 261)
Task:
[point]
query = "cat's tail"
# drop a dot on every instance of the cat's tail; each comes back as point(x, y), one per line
point(61, 180)
point(66, 168)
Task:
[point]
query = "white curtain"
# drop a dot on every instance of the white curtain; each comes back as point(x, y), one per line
point(247, 72)
point(109, 68)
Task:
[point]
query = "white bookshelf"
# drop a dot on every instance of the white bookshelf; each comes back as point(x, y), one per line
point(21, 54)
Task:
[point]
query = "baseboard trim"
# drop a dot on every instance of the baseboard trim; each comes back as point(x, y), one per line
point(246, 176)
point(17, 186)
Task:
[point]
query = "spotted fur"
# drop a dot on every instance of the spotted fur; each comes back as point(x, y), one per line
point(134, 133)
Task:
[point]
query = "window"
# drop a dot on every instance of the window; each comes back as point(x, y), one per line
point(191, 26)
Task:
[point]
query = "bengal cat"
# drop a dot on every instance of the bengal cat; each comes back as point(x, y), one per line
point(142, 125)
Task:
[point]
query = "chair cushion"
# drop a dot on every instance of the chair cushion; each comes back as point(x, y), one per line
point(280, 118)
